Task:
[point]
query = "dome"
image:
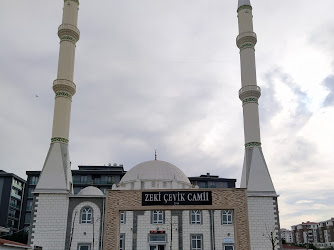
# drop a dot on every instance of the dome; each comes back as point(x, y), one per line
point(154, 175)
point(90, 191)
point(155, 170)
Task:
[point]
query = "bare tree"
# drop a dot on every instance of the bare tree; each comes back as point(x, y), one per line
point(272, 235)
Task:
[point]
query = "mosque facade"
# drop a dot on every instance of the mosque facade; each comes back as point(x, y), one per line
point(154, 206)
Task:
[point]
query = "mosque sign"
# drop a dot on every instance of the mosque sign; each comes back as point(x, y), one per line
point(177, 198)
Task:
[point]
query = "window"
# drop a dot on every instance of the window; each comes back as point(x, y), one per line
point(157, 238)
point(27, 218)
point(157, 217)
point(195, 217)
point(86, 215)
point(29, 205)
point(33, 180)
point(227, 217)
point(30, 190)
point(83, 179)
point(122, 242)
point(228, 247)
point(84, 246)
point(196, 242)
point(123, 217)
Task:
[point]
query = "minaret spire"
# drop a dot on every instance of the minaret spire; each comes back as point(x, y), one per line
point(262, 198)
point(255, 174)
point(56, 175)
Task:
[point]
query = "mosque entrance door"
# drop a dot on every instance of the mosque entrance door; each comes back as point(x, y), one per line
point(157, 247)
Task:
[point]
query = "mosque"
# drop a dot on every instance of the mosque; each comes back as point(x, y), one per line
point(154, 206)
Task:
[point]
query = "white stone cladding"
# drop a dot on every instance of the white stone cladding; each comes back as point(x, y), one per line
point(126, 229)
point(49, 228)
point(262, 219)
point(83, 233)
point(202, 229)
point(221, 232)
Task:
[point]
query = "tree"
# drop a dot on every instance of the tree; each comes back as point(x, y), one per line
point(271, 235)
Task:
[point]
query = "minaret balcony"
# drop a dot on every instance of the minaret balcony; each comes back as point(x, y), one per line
point(249, 91)
point(64, 85)
point(246, 37)
point(67, 29)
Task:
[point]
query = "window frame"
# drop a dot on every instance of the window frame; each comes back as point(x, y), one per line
point(122, 241)
point(197, 216)
point(86, 221)
point(228, 245)
point(89, 245)
point(122, 217)
point(229, 217)
point(158, 213)
point(196, 239)
point(157, 241)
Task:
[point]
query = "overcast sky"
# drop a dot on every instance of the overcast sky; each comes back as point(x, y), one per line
point(165, 75)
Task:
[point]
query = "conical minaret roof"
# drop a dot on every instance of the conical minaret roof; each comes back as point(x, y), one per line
point(243, 2)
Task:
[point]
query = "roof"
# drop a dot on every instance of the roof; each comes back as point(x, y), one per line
point(308, 222)
point(5, 174)
point(90, 191)
point(243, 2)
point(10, 243)
point(155, 170)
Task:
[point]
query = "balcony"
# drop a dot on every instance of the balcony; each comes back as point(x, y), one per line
point(246, 37)
point(81, 182)
point(33, 182)
point(249, 90)
point(15, 206)
point(16, 185)
point(13, 194)
point(103, 182)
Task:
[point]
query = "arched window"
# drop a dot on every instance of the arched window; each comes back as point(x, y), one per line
point(86, 215)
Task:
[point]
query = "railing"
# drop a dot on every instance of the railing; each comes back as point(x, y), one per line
point(249, 88)
point(102, 182)
point(248, 33)
point(80, 182)
point(17, 186)
point(15, 195)
point(15, 205)
point(33, 182)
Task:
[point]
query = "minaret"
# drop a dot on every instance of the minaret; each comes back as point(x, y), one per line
point(56, 175)
point(255, 174)
point(262, 197)
point(55, 182)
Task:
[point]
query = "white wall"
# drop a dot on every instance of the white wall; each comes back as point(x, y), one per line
point(261, 215)
point(51, 221)
point(83, 233)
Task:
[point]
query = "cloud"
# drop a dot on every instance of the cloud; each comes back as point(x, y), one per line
point(329, 84)
point(303, 201)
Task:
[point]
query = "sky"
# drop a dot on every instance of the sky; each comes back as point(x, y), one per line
point(165, 75)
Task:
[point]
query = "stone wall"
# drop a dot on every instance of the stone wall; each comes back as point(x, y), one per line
point(234, 199)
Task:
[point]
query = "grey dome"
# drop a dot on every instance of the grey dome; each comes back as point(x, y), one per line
point(90, 191)
point(155, 170)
